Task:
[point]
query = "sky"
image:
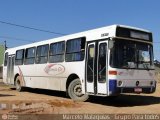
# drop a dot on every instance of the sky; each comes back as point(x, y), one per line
point(72, 16)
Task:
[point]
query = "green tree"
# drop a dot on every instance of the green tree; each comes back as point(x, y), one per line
point(1, 54)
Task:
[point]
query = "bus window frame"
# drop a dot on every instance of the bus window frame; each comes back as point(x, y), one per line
point(27, 58)
point(39, 57)
point(82, 51)
point(54, 55)
point(22, 59)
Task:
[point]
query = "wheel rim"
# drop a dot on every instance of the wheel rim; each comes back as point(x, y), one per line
point(78, 90)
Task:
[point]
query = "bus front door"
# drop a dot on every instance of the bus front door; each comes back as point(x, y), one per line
point(10, 70)
point(96, 68)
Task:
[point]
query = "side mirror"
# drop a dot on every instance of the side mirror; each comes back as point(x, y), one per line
point(110, 44)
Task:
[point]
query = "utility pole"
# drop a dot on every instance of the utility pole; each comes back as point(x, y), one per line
point(5, 45)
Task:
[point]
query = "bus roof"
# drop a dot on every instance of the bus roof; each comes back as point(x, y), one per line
point(89, 34)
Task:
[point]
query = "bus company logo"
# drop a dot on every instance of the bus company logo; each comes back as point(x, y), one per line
point(54, 69)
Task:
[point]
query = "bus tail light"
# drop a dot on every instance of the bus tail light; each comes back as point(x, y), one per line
point(112, 72)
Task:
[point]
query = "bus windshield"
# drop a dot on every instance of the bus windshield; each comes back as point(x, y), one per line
point(131, 55)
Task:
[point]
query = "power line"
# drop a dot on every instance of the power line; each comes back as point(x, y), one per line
point(13, 38)
point(26, 27)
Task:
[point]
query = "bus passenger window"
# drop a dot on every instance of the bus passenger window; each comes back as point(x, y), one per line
point(30, 55)
point(56, 53)
point(75, 49)
point(42, 54)
point(19, 57)
point(6, 59)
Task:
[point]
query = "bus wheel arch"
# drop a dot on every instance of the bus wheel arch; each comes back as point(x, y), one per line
point(15, 78)
point(74, 88)
point(70, 79)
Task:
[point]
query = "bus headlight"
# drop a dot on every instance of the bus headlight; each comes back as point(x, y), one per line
point(151, 83)
point(120, 83)
point(137, 83)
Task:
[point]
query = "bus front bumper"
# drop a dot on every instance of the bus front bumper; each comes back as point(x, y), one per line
point(136, 90)
point(115, 89)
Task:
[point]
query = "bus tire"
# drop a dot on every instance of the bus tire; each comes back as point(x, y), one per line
point(75, 91)
point(18, 85)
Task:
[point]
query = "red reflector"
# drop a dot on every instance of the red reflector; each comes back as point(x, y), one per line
point(112, 72)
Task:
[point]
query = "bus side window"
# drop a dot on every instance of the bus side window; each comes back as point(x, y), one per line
point(56, 53)
point(42, 54)
point(19, 57)
point(75, 49)
point(6, 59)
point(30, 55)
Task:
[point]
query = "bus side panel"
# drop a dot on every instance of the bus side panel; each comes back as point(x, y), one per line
point(52, 75)
point(5, 74)
point(47, 76)
point(53, 83)
point(77, 68)
point(58, 73)
point(27, 73)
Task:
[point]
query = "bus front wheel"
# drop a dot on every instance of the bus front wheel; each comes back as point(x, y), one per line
point(75, 91)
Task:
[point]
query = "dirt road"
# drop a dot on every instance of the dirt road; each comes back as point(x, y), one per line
point(52, 102)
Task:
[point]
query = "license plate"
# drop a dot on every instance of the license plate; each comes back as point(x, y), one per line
point(137, 89)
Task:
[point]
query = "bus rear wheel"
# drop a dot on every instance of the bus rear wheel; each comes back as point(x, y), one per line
point(18, 85)
point(75, 91)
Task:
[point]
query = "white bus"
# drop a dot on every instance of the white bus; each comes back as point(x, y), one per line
point(103, 62)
